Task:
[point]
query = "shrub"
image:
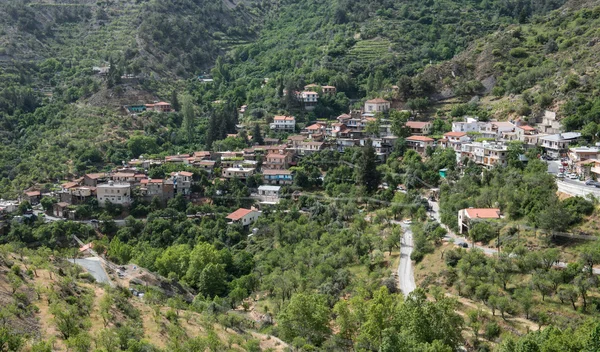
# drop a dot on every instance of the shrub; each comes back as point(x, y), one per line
point(518, 53)
point(492, 330)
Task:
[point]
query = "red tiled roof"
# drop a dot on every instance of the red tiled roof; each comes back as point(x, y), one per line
point(238, 214)
point(185, 173)
point(95, 176)
point(124, 174)
point(315, 126)
point(162, 103)
point(70, 185)
point(328, 87)
point(33, 193)
point(284, 118)
point(526, 128)
point(417, 124)
point(276, 156)
point(419, 139)
point(483, 213)
point(377, 101)
point(455, 134)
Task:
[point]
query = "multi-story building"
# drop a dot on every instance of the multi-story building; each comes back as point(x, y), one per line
point(577, 154)
point(418, 128)
point(283, 124)
point(550, 123)
point(487, 154)
point(420, 143)
point(328, 90)
point(277, 161)
point(268, 194)
point(454, 140)
point(278, 177)
point(182, 182)
point(116, 193)
point(377, 105)
point(308, 99)
point(557, 145)
point(163, 189)
point(496, 129)
point(469, 125)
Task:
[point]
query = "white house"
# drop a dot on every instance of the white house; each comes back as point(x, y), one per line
point(243, 216)
point(284, 123)
point(308, 98)
point(116, 193)
point(557, 144)
point(377, 105)
point(469, 125)
point(269, 194)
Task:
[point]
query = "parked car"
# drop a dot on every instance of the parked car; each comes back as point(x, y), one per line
point(407, 221)
point(573, 176)
point(560, 175)
point(590, 183)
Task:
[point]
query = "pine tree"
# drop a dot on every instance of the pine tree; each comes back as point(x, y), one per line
point(366, 171)
point(257, 136)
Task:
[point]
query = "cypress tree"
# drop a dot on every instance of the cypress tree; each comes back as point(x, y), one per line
point(366, 171)
point(257, 136)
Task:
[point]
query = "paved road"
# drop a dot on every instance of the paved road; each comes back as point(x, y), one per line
point(577, 188)
point(406, 274)
point(94, 267)
point(50, 218)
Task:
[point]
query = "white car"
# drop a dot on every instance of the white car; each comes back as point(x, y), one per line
point(407, 221)
point(573, 176)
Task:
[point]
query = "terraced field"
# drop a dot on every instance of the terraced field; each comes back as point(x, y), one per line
point(366, 51)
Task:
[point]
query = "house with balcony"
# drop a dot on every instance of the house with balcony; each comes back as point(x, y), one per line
point(377, 105)
point(495, 129)
point(419, 128)
point(329, 90)
point(159, 107)
point(455, 140)
point(277, 161)
point(268, 194)
point(577, 154)
point(241, 173)
point(316, 130)
point(277, 177)
point(550, 123)
point(557, 145)
point(469, 125)
point(308, 99)
point(420, 143)
point(487, 154)
point(283, 124)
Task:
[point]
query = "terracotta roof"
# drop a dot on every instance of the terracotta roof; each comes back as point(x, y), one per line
point(201, 154)
point(33, 193)
point(483, 213)
point(526, 128)
point(377, 101)
point(185, 173)
point(455, 134)
point(63, 204)
point(70, 185)
point(276, 156)
point(417, 124)
point(329, 87)
point(124, 174)
point(154, 180)
point(276, 172)
point(162, 103)
point(315, 126)
point(238, 214)
point(95, 176)
point(207, 162)
point(343, 117)
point(284, 118)
point(296, 138)
point(419, 139)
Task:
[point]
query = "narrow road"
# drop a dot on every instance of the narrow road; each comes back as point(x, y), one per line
point(406, 274)
point(94, 267)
